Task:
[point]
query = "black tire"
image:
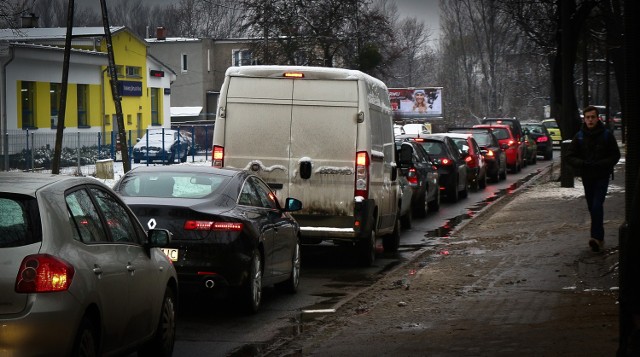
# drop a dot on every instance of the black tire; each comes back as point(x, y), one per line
point(452, 190)
point(391, 242)
point(434, 205)
point(503, 174)
point(420, 206)
point(164, 338)
point(366, 249)
point(291, 284)
point(548, 156)
point(482, 182)
point(407, 219)
point(253, 287)
point(86, 340)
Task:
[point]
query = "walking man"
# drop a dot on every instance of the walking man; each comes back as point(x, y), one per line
point(593, 153)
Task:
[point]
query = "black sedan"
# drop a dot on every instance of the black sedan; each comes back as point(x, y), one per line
point(538, 132)
point(494, 153)
point(229, 230)
point(422, 177)
point(452, 169)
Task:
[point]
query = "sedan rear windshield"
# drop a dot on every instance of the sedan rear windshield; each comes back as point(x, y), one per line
point(483, 139)
point(19, 221)
point(171, 184)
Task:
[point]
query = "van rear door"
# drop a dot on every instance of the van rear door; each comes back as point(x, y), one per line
point(324, 132)
point(258, 117)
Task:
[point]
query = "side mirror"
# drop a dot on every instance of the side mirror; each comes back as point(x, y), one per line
point(292, 204)
point(158, 237)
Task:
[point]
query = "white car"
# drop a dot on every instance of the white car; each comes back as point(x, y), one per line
point(80, 275)
point(416, 129)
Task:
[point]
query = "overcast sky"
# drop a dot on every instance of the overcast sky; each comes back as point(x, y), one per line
point(425, 10)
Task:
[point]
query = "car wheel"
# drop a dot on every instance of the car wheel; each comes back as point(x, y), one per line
point(452, 190)
point(86, 342)
point(407, 219)
point(549, 155)
point(366, 249)
point(503, 174)
point(420, 207)
point(291, 284)
point(164, 339)
point(253, 287)
point(434, 205)
point(391, 242)
point(482, 183)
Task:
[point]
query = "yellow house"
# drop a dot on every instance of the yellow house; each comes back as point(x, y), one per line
point(32, 65)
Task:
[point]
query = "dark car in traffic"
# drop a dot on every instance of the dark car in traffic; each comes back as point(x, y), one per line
point(476, 166)
point(452, 169)
point(514, 149)
point(542, 137)
point(229, 229)
point(422, 176)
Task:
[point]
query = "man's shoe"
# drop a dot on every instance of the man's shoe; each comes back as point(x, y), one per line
point(596, 244)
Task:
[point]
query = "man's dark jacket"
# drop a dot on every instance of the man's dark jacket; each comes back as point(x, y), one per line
point(594, 153)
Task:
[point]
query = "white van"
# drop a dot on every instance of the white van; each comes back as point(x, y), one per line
point(322, 135)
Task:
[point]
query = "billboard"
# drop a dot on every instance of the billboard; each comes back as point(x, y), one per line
point(416, 103)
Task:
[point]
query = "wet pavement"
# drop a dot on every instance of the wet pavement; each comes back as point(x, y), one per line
point(518, 279)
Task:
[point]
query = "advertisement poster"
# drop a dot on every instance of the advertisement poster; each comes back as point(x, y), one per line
point(416, 103)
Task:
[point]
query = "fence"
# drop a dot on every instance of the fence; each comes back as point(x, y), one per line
point(30, 150)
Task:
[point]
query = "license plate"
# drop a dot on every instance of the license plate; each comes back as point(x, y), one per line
point(171, 253)
point(556, 142)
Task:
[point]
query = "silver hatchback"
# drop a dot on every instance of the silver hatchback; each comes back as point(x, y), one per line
point(79, 274)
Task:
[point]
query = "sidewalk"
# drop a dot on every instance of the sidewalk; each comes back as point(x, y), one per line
point(518, 280)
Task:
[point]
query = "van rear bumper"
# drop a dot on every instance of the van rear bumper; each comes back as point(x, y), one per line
point(331, 227)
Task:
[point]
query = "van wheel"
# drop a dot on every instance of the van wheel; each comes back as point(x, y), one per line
point(366, 249)
point(391, 242)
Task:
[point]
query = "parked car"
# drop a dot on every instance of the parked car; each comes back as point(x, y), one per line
point(541, 135)
point(452, 169)
point(422, 175)
point(228, 225)
point(505, 136)
point(494, 154)
point(80, 275)
point(398, 129)
point(476, 167)
point(554, 130)
point(164, 145)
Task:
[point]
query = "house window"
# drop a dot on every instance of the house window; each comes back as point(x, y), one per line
point(129, 119)
point(54, 95)
point(133, 71)
point(155, 106)
point(28, 104)
point(183, 63)
point(242, 58)
point(120, 71)
point(83, 103)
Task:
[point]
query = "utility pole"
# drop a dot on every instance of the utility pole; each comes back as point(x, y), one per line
point(122, 135)
point(57, 151)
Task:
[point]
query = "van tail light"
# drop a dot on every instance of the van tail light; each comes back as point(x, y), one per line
point(362, 175)
point(218, 156)
point(192, 225)
point(42, 273)
point(412, 176)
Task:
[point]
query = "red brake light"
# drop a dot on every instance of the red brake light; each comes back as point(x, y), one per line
point(212, 226)
point(362, 174)
point(489, 153)
point(412, 176)
point(419, 140)
point(542, 139)
point(445, 161)
point(218, 156)
point(40, 273)
point(511, 143)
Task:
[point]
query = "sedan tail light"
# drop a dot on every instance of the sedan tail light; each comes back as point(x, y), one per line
point(542, 139)
point(218, 156)
point(489, 153)
point(40, 273)
point(212, 226)
point(445, 161)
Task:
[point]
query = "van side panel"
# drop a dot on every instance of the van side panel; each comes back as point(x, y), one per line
point(258, 117)
point(324, 132)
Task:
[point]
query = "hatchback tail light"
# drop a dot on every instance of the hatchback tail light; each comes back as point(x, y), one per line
point(542, 139)
point(445, 161)
point(489, 153)
point(362, 175)
point(412, 176)
point(218, 156)
point(212, 226)
point(42, 273)
point(511, 143)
